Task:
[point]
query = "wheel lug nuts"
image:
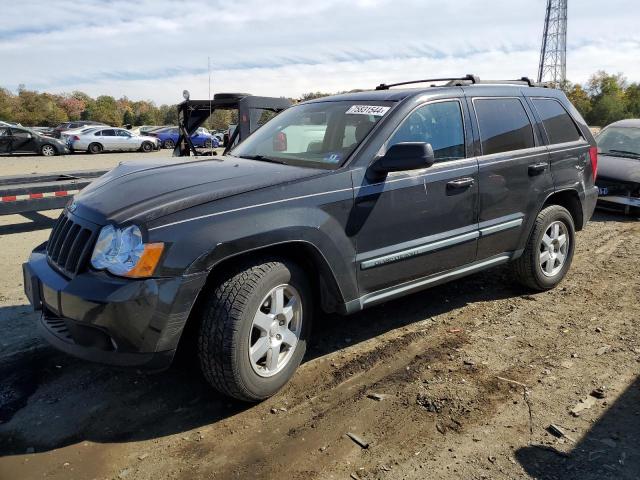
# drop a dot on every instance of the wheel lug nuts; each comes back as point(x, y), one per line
point(278, 337)
point(281, 322)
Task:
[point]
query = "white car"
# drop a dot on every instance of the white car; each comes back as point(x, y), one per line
point(67, 134)
point(111, 139)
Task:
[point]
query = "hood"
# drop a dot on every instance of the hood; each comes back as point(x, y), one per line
point(144, 190)
point(619, 168)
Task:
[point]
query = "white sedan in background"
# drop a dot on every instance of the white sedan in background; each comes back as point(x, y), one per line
point(111, 139)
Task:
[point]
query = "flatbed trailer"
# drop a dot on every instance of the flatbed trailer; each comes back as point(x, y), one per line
point(46, 191)
point(50, 191)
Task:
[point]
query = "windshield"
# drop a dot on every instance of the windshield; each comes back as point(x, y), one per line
point(321, 134)
point(620, 141)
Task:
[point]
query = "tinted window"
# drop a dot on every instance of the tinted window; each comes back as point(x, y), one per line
point(108, 133)
point(20, 133)
point(504, 125)
point(439, 124)
point(557, 122)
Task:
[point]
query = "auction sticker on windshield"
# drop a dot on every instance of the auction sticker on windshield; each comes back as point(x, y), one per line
point(368, 110)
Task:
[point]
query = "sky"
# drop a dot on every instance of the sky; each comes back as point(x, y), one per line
point(154, 49)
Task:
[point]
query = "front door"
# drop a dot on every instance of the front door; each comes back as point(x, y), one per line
point(416, 223)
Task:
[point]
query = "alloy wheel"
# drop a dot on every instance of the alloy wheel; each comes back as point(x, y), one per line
point(275, 330)
point(554, 248)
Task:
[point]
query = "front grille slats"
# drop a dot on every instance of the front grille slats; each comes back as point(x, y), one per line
point(70, 244)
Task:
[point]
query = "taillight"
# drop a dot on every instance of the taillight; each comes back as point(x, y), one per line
point(280, 142)
point(75, 138)
point(593, 153)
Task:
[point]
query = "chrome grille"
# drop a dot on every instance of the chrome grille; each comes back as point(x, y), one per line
point(70, 245)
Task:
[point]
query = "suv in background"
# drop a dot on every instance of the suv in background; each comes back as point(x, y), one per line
point(335, 205)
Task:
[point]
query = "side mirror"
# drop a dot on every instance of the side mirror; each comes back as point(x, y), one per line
point(405, 156)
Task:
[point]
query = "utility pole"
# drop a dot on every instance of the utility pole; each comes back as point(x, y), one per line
point(553, 54)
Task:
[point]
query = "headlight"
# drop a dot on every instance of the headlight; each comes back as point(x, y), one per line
point(122, 252)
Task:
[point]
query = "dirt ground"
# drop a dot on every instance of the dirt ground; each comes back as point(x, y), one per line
point(461, 381)
point(26, 164)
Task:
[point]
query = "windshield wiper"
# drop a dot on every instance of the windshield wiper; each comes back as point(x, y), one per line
point(623, 152)
point(261, 158)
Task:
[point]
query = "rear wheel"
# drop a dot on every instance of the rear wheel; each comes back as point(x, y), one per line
point(48, 150)
point(254, 328)
point(549, 251)
point(95, 148)
point(169, 144)
point(146, 147)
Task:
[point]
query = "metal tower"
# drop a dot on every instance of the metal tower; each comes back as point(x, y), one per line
point(553, 54)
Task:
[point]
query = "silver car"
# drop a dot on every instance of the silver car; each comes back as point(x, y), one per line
point(111, 139)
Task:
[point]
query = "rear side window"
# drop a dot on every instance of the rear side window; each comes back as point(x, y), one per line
point(557, 122)
point(504, 125)
point(439, 124)
point(108, 133)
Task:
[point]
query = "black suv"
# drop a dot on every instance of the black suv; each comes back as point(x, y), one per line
point(334, 205)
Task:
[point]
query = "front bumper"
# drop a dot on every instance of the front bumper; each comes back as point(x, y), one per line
point(102, 318)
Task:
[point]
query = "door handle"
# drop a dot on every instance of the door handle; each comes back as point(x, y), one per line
point(537, 168)
point(461, 183)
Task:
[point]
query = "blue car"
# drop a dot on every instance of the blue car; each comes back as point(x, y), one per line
point(201, 138)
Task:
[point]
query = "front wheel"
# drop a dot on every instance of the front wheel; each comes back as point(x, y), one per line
point(169, 144)
point(208, 144)
point(549, 251)
point(254, 328)
point(146, 147)
point(48, 150)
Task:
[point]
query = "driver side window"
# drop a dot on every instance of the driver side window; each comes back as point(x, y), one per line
point(439, 124)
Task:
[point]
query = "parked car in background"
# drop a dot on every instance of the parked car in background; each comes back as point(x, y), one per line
point(619, 166)
point(71, 125)
point(9, 124)
point(112, 139)
point(67, 134)
point(201, 138)
point(26, 140)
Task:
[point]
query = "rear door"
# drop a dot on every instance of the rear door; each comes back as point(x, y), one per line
point(22, 141)
point(5, 140)
point(109, 139)
point(568, 148)
point(513, 173)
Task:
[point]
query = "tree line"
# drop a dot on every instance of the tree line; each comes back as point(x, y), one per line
point(32, 108)
point(604, 99)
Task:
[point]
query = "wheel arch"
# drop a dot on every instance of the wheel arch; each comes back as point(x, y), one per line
point(306, 254)
point(570, 200)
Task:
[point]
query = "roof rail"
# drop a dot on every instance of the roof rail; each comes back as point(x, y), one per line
point(467, 80)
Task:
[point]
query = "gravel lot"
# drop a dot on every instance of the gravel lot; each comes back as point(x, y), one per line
point(26, 164)
point(470, 375)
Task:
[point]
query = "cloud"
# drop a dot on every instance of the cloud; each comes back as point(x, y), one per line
point(155, 49)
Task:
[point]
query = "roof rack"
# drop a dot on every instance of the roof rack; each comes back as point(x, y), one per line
point(466, 80)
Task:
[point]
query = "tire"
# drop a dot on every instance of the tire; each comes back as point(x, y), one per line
point(208, 144)
point(146, 147)
point(531, 269)
point(95, 148)
point(169, 144)
point(48, 150)
point(228, 334)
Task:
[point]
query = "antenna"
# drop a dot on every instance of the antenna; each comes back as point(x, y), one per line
point(553, 53)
